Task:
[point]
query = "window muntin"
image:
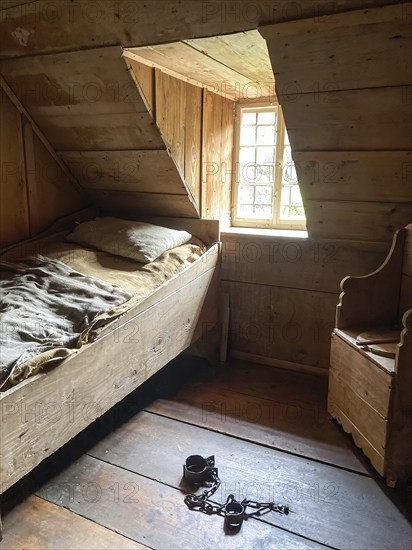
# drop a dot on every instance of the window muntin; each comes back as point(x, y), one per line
point(266, 189)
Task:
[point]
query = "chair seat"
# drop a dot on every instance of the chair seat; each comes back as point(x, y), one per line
point(380, 341)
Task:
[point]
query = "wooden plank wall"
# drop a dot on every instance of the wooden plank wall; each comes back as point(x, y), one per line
point(34, 191)
point(218, 127)
point(197, 127)
point(345, 89)
point(87, 105)
point(283, 292)
point(179, 118)
point(344, 85)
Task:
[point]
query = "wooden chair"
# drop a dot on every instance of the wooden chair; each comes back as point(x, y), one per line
point(370, 379)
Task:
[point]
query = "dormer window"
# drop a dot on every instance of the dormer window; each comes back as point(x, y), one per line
point(265, 191)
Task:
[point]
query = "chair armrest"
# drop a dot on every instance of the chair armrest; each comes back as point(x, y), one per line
point(403, 362)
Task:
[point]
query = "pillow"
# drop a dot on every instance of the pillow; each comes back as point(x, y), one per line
point(139, 241)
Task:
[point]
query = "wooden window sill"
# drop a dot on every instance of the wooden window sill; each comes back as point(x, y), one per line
point(255, 231)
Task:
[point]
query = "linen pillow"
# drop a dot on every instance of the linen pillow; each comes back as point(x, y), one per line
point(140, 241)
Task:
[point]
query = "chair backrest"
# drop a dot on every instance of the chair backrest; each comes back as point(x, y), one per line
point(382, 297)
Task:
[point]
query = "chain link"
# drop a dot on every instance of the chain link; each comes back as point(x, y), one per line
point(201, 503)
point(264, 507)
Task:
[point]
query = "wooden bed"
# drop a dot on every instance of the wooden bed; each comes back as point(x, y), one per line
point(45, 411)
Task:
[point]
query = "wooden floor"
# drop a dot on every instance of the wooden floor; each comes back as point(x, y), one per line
point(119, 485)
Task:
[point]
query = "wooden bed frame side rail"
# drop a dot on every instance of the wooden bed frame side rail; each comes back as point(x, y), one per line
point(372, 300)
point(41, 414)
point(194, 270)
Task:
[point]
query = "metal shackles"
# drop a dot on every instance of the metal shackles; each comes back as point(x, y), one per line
point(197, 469)
point(201, 471)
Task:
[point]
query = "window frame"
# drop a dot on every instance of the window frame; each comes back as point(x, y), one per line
point(275, 222)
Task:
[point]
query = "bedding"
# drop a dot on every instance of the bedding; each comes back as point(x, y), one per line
point(139, 279)
point(26, 352)
point(140, 241)
point(47, 309)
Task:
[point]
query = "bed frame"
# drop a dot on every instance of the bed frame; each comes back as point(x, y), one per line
point(44, 412)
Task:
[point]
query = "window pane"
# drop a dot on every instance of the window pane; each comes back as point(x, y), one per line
point(265, 155)
point(266, 135)
point(287, 154)
point(245, 211)
point(265, 173)
point(248, 118)
point(292, 212)
point(246, 193)
point(289, 176)
point(291, 203)
point(247, 165)
point(248, 173)
point(265, 161)
point(263, 211)
point(266, 118)
point(255, 201)
point(248, 135)
point(246, 155)
point(263, 194)
point(295, 195)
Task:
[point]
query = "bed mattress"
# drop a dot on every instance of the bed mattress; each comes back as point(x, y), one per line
point(136, 280)
point(139, 279)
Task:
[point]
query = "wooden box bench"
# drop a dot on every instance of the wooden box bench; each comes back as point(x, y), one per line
point(370, 379)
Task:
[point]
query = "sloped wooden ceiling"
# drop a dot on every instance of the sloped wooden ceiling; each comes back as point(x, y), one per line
point(88, 107)
point(349, 118)
point(33, 180)
point(347, 125)
point(44, 26)
point(236, 66)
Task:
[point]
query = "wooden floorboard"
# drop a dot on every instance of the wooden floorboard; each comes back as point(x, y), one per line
point(41, 525)
point(274, 407)
point(152, 513)
point(330, 505)
point(272, 439)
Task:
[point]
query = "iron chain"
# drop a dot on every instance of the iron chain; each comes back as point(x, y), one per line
point(231, 509)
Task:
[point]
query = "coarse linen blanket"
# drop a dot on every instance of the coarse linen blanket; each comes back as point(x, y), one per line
point(47, 311)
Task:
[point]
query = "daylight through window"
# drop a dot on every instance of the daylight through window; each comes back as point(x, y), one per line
point(266, 190)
